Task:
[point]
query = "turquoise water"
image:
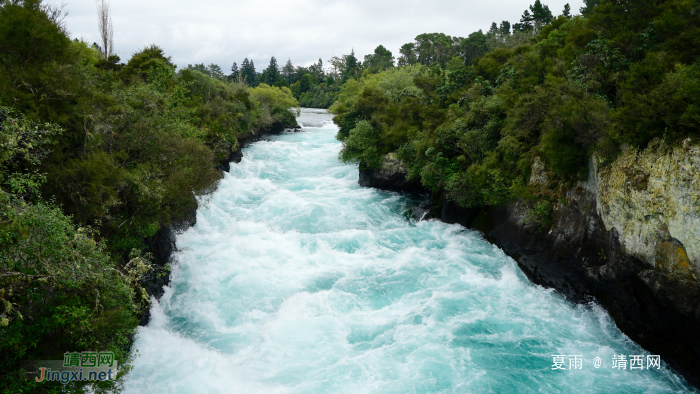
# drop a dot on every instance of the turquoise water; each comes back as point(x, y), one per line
point(297, 280)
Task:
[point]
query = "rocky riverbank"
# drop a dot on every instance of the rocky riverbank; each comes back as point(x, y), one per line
point(629, 239)
point(162, 244)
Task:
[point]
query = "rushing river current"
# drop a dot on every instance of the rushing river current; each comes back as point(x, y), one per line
point(297, 280)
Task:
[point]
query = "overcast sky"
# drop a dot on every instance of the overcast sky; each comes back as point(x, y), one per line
point(221, 32)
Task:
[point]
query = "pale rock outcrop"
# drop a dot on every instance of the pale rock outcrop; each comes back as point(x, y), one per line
point(651, 199)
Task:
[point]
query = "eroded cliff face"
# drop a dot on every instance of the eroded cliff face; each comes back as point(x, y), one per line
point(628, 239)
point(651, 199)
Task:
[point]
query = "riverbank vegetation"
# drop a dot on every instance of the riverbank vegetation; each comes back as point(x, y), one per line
point(470, 117)
point(96, 156)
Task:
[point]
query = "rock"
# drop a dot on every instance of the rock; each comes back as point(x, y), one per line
point(235, 157)
point(421, 213)
point(162, 246)
point(451, 213)
point(390, 176)
point(652, 199)
point(538, 176)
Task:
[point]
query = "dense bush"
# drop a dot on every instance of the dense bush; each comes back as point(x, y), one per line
point(95, 157)
point(624, 74)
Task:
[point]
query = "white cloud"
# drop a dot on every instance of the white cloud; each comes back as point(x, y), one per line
point(221, 32)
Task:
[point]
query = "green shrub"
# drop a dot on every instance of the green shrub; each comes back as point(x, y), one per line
point(361, 146)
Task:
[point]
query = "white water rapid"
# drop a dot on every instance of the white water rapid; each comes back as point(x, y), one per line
point(297, 280)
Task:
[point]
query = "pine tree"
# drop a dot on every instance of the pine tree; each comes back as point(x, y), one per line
point(234, 71)
point(253, 74)
point(494, 29)
point(350, 65)
point(504, 29)
point(587, 9)
point(351, 60)
point(272, 73)
point(288, 70)
point(248, 71)
point(567, 11)
point(525, 21)
point(541, 14)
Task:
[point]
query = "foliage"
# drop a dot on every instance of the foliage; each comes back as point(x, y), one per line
point(270, 96)
point(361, 146)
point(540, 213)
point(95, 158)
point(380, 60)
point(59, 288)
point(275, 103)
point(471, 121)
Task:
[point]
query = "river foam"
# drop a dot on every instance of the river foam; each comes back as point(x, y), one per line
point(297, 280)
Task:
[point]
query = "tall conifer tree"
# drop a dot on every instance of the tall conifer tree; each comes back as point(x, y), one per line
point(288, 70)
point(248, 71)
point(272, 73)
point(234, 71)
point(504, 29)
point(567, 11)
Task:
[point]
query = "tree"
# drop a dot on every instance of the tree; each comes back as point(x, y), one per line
point(317, 70)
point(494, 29)
point(504, 29)
point(351, 66)
point(234, 71)
point(288, 70)
point(380, 60)
point(408, 55)
point(104, 23)
point(272, 73)
point(338, 65)
point(434, 48)
point(541, 14)
point(147, 59)
point(473, 46)
point(248, 71)
point(567, 11)
point(201, 68)
point(215, 71)
point(525, 21)
point(455, 64)
point(587, 9)
point(305, 83)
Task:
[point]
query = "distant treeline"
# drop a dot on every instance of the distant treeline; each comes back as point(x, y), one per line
point(318, 86)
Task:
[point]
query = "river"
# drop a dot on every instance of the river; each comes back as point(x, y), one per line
point(297, 280)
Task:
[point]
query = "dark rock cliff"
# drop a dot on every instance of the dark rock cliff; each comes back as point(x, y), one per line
point(585, 261)
point(162, 246)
